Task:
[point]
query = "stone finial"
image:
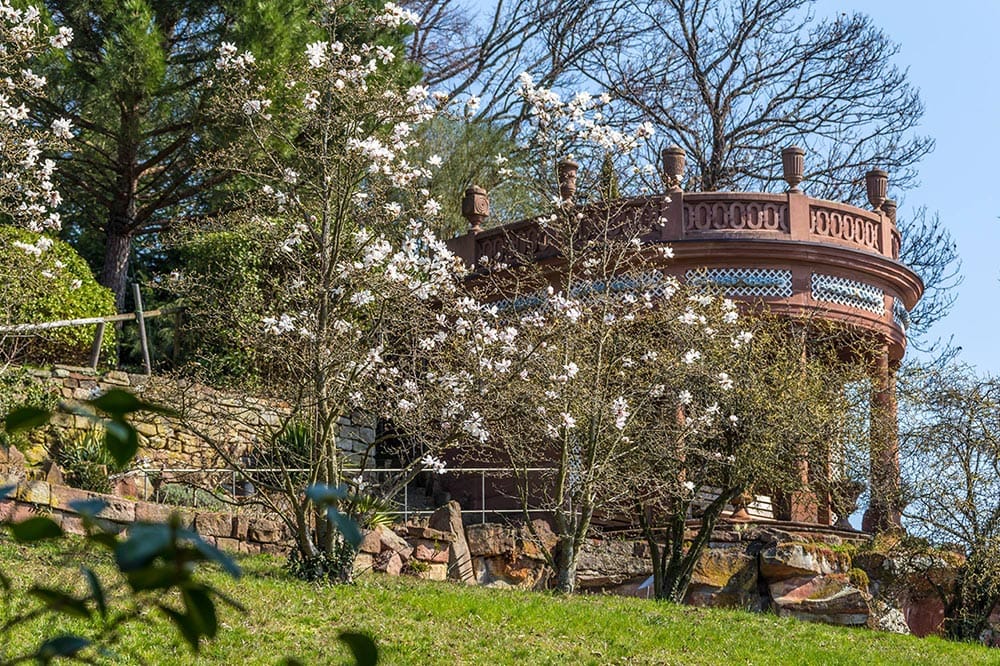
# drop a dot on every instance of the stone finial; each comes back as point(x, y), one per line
point(567, 171)
point(889, 208)
point(793, 164)
point(877, 183)
point(673, 159)
point(476, 208)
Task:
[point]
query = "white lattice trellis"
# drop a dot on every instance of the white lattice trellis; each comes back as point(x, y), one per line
point(744, 282)
point(900, 314)
point(843, 291)
point(653, 283)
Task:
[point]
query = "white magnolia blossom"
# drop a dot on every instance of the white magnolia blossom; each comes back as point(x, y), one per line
point(434, 464)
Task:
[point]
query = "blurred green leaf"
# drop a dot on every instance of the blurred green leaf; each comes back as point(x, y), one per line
point(26, 418)
point(153, 578)
point(60, 602)
point(6, 491)
point(211, 553)
point(121, 441)
point(88, 507)
point(35, 529)
point(347, 527)
point(321, 493)
point(144, 544)
point(362, 647)
point(186, 626)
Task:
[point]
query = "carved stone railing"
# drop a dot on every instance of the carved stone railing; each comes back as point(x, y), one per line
point(698, 216)
point(712, 212)
point(842, 223)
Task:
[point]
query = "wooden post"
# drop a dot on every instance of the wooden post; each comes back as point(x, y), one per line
point(143, 342)
point(95, 350)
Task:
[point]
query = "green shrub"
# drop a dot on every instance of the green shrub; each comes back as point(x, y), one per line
point(55, 285)
point(85, 461)
point(858, 578)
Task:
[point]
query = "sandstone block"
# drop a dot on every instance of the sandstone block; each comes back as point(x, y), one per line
point(262, 530)
point(214, 524)
point(790, 560)
point(363, 563)
point(489, 540)
point(36, 492)
point(389, 562)
point(431, 551)
point(534, 545)
point(449, 519)
point(434, 572)
point(830, 599)
point(429, 533)
point(371, 542)
point(725, 578)
point(392, 542)
point(149, 512)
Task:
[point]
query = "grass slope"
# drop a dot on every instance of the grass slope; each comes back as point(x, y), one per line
point(441, 623)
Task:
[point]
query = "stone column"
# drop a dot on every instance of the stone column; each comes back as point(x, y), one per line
point(884, 506)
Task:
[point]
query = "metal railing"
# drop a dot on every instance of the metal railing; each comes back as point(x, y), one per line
point(235, 477)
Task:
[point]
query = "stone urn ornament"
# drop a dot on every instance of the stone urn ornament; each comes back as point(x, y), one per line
point(740, 504)
point(844, 495)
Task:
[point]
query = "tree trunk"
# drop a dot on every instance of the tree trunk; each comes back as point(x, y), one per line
point(117, 251)
point(566, 561)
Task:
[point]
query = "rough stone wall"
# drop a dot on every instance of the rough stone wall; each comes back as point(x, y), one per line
point(235, 421)
point(234, 533)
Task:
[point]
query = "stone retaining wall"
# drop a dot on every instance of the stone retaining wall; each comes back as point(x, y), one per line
point(235, 533)
point(234, 421)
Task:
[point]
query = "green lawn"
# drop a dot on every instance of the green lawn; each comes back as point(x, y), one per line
point(442, 623)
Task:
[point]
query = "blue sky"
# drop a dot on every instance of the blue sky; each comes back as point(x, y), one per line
point(952, 51)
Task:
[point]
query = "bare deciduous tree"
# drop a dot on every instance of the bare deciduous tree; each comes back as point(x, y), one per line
point(950, 445)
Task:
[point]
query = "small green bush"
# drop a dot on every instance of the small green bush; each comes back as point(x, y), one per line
point(57, 284)
point(859, 578)
point(85, 461)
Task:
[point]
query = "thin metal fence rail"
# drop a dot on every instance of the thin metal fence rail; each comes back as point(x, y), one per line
point(237, 474)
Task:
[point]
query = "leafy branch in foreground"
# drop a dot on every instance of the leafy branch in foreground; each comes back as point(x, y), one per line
point(156, 562)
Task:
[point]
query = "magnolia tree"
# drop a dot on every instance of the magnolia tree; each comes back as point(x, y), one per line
point(584, 363)
point(639, 394)
point(358, 315)
point(764, 411)
point(27, 195)
point(28, 198)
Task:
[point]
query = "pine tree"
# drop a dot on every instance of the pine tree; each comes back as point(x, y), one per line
point(132, 82)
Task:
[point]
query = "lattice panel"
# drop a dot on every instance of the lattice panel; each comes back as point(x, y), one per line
point(900, 314)
point(843, 291)
point(588, 290)
point(744, 282)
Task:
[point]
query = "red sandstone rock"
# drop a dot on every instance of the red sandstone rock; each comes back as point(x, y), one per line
point(449, 519)
point(489, 540)
point(393, 542)
point(264, 531)
point(830, 599)
point(430, 551)
point(214, 524)
point(789, 560)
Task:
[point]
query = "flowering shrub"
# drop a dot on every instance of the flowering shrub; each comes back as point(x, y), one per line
point(360, 310)
point(27, 195)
